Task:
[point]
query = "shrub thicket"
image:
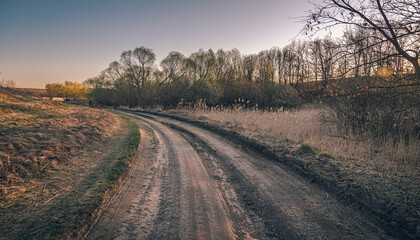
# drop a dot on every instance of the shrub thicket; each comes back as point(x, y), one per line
point(375, 107)
point(182, 92)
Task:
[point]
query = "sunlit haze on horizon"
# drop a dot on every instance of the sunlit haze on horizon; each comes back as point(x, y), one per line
point(51, 41)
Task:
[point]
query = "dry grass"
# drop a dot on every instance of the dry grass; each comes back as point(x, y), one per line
point(304, 126)
point(56, 163)
point(37, 137)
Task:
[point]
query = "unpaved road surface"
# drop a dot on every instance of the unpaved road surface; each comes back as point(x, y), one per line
point(194, 184)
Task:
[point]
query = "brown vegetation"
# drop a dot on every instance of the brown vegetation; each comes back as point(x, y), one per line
point(33, 91)
point(57, 162)
point(305, 126)
point(36, 136)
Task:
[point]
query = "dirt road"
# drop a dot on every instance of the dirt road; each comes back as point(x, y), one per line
point(194, 184)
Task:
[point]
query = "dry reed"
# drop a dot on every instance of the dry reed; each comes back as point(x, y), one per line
point(304, 126)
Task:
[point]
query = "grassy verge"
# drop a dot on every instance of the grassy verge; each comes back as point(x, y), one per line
point(126, 153)
point(104, 178)
point(390, 194)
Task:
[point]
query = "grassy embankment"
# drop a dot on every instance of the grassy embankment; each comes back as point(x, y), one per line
point(383, 176)
point(57, 162)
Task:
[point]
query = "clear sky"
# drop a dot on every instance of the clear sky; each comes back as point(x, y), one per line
point(47, 41)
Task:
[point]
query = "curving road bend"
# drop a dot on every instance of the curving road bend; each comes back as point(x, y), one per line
point(195, 184)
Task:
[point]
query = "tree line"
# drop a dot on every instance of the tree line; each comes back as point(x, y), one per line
point(219, 77)
point(382, 39)
point(267, 78)
point(67, 90)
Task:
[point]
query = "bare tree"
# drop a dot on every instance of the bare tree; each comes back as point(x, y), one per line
point(200, 64)
point(132, 71)
point(146, 59)
point(249, 66)
point(380, 33)
point(289, 57)
point(396, 21)
point(7, 83)
point(323, 51)
point(173, 66)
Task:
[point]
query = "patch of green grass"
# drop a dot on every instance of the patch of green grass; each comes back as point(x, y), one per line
point(273, 141)
point(306, 149)
point(16, 107)
point(127, 152)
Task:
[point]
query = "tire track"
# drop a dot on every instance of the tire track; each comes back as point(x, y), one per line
point(192, 197)
point(135, 200)
point(202, 186)
point(286, 204)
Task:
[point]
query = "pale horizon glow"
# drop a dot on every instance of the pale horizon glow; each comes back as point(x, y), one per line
point(51, 41)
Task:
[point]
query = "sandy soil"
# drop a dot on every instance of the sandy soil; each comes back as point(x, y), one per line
point(132, 209)
point(202, 186)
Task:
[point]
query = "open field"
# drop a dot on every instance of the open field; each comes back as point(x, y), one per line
point(38, 92)
point(57, 161)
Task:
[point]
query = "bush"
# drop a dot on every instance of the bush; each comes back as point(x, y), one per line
point(374, 107)
point(201, 90)
point(267, 95)
point(239, 90)
point(171, 94)
point(277, 95)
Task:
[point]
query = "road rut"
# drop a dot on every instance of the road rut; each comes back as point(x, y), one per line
point(202, 186)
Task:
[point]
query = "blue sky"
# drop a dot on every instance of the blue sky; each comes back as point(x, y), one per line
point(48, 41)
